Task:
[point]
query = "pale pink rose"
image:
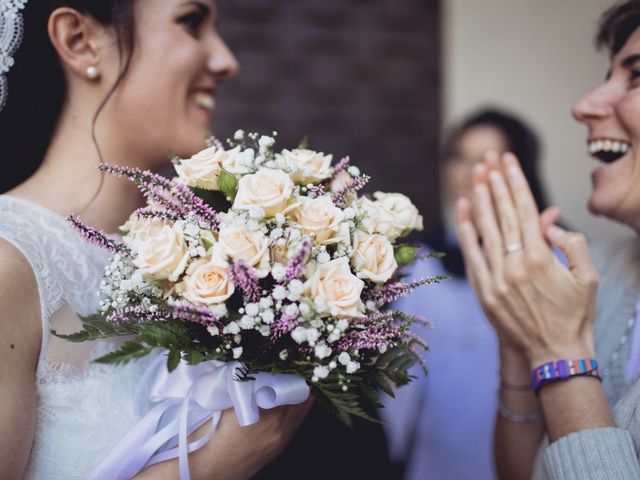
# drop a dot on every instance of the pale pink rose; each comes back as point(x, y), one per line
point(207, 282)
point(333, 285)
point(307, 166)
point(267, 189)
point(406, 215)
point(319, 217)
point(162, 256)
point(249, 246)
point(138, 229)
point(373, 257)
point(202, 169)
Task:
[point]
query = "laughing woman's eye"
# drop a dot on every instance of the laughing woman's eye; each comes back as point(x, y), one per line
point(192, 22)
point(634, 80)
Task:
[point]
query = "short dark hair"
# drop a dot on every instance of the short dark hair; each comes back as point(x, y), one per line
point(617, 24)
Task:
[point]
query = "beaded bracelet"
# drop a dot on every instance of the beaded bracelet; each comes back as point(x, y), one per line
point(563, 370)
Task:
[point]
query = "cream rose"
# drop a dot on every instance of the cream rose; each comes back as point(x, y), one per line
point(406, 215)
point(162, 256)
point(138, 229)
point(250, 246)
point(373, 257)
point(207, 282)
point(321, 218)
point(377, 219)
point(203, 169)
point(307, 166)
point(267, 189)
point(334, 286)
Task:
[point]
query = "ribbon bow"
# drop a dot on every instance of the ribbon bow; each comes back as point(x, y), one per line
point(185, 399)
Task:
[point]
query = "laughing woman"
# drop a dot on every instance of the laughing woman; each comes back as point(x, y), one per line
point(551, 326)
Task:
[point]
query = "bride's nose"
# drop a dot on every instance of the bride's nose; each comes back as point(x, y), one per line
point(221, 61)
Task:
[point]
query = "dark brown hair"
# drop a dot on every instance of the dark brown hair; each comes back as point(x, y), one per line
point(617, 24)
point(37, 85)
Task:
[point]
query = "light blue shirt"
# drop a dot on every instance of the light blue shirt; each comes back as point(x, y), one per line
point(442, 425)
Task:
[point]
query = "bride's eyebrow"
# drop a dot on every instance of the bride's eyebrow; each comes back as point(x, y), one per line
point(204, 7)
point(630, 60)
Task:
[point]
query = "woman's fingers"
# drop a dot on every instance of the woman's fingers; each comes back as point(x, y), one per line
point(576, 248)
point(507, 214)
point(548, 217)
point(524, 202)
point(485, 219)
point(475, 262)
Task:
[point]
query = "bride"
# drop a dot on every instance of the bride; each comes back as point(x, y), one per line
point(124, 81)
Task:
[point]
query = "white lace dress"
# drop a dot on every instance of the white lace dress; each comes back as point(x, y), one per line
point(83, 408)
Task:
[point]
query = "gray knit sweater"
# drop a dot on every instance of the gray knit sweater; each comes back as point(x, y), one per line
point(606, 453)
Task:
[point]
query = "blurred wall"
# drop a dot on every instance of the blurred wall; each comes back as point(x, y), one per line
point(535, 57)
point(361, 78)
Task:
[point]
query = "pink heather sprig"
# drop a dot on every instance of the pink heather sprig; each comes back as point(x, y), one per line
point(154, 213)
point(375, 337)
point(297, 264)
point(317, 191)
point(190, 312)
point(396, 290)
point(358, 183)
point(96, 237)
point(244, 277)
point(283, 325)
point(341, 165)
point(173, 197)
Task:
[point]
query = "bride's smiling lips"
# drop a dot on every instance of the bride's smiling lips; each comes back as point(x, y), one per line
point(204, 99)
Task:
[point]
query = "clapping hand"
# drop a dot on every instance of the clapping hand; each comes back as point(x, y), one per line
point(537, 305)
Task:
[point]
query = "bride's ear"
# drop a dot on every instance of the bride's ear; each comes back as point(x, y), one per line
point(77, 38)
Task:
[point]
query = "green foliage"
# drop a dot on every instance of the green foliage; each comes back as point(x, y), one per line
point(405, 254)
point(217, 200)
point(228, 184)
point(127, 352)
point(304, 142)
point(97, 328)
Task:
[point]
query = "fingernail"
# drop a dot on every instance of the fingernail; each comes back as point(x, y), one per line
point(555, 232)
point(514, 173)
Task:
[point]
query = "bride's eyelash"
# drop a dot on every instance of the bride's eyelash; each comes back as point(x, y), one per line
point(192, 21)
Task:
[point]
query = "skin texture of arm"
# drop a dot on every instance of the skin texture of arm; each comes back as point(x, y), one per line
point(20, 337)
point(516, 444)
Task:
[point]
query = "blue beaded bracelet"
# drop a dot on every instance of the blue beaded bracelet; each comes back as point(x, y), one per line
point(563, 370)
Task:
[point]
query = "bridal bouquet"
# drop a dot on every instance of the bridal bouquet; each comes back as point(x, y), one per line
point(269, 261)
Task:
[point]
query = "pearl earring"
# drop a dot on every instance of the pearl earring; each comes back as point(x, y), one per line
point(92, 72)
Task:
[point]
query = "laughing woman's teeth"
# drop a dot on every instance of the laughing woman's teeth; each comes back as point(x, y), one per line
point(205, 101)
point(624, 147)
point(607, 145)
point(615, 146)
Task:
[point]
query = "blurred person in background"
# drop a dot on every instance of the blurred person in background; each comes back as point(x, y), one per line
point(570, 335)
point(441, 425)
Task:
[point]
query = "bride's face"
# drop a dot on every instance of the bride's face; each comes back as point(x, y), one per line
point(167, 99)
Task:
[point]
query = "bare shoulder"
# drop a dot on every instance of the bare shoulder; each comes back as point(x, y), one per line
point(20, 334)
point(20, 324)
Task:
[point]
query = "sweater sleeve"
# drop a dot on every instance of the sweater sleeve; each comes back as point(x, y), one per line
point(593, 454)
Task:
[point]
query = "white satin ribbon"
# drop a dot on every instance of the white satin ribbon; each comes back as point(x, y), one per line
point(185, 399)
